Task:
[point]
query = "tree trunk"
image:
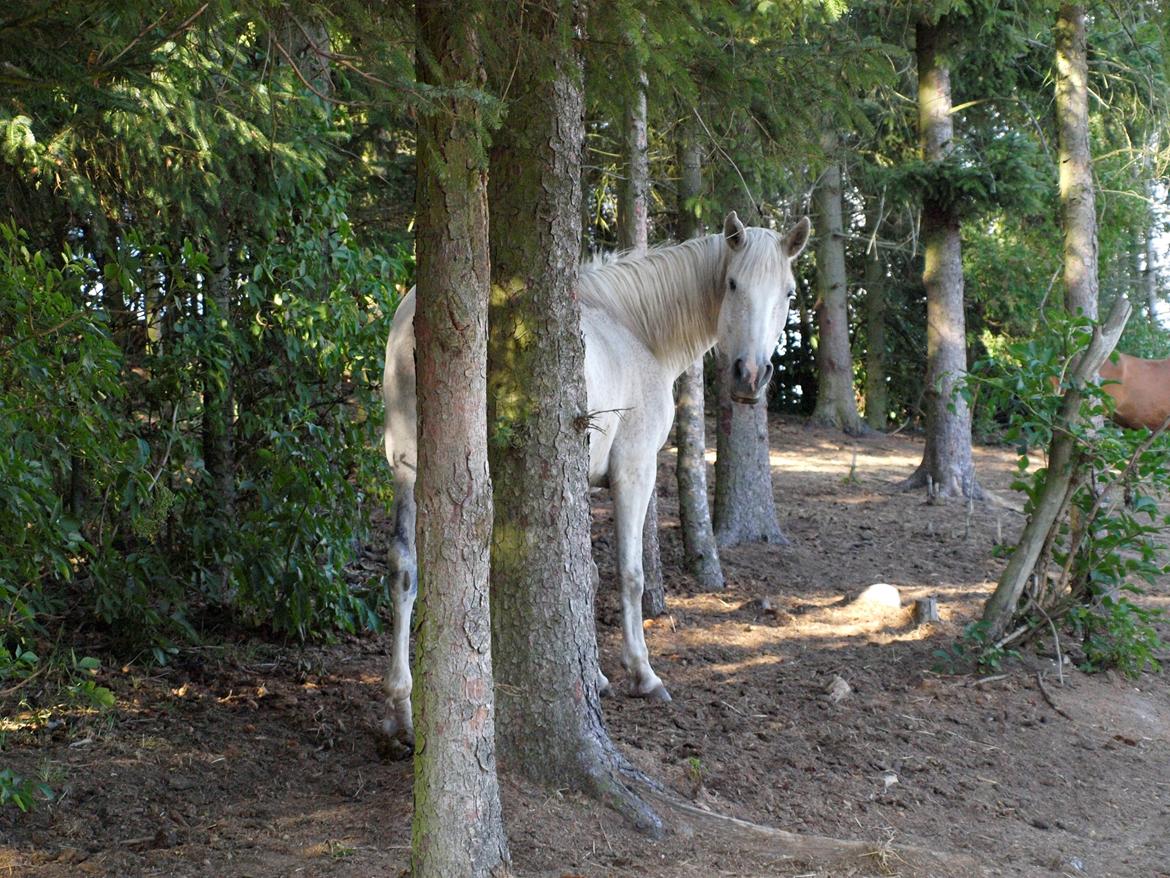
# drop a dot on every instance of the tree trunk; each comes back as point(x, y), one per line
point(700, 550)
point(876, 393)
point(1079, 220)
point(1027, 560)
point(634, 235)
point(550, 721)
point(1150, 272)
point(218, 424)
point(458, 827)
point(947, 462)
point(836, 404)
point(1078, 210)
point(745, 511)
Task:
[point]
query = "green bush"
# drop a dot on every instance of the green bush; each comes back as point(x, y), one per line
point(1108, 548)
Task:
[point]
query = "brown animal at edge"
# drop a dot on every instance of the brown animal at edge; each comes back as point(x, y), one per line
point(1142, 391)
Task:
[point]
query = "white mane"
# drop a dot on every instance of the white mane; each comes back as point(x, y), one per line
point(669, 297)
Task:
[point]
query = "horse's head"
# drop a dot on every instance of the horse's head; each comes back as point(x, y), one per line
point(758, 288)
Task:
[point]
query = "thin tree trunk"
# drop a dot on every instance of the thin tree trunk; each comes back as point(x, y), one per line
point(550, 721)
point(947, 461)
point(876, 393)
point(745, 510)
point(218, 405)
point(836, 403)
point(1150, 274)
point(458, 827)
point(634, 235)
point(1078, 210)
point(1027, 559)
point(700, 550)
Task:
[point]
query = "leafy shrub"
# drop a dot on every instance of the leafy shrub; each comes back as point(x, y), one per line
point(1107, 549)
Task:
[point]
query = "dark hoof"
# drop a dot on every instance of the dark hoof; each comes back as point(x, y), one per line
point(394, 743)
point(393, 750)
point(658, 693)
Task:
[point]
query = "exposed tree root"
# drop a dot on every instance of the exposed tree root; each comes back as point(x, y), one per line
point(609, 789)
point(818, 850)
point(921, 478)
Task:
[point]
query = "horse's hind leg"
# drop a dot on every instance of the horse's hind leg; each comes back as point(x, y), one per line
point(631, 495)
point(398, 724)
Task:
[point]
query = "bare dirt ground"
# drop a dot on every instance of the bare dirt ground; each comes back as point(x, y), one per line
point(255, 760)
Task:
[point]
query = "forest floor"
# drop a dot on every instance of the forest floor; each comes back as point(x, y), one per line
point(255, 760)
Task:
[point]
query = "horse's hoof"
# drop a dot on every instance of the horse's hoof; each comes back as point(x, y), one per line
point(658, 693)
point(604, 688)
point(396, 741)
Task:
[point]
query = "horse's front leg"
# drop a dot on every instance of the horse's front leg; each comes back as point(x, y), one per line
point(631, 496)
point(398, 724)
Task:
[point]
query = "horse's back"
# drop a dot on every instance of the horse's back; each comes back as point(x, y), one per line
point(398, 392)
point(1142, 391)
point(628, 394)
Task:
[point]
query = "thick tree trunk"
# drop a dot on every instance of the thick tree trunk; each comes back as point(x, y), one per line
point(745, 511)
point(1078, 210)
point(458, 827)
point(550, 722)
point(634, 235)
point(700, 550)
point(947, 462)
point(876, 394)
point(836, 403)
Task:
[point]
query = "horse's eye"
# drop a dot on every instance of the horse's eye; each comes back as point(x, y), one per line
point(731, 284)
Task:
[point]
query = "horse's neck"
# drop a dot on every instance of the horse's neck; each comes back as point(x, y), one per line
point(669, 298)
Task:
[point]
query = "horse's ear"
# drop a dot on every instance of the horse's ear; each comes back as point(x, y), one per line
point(734, 231)
point(797, 237)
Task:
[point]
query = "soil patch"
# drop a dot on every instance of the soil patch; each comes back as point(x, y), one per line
point(794, 705)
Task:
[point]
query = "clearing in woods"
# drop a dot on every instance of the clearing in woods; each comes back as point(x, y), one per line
point(260, 761)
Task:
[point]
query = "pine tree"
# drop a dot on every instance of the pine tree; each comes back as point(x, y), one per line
point(457, 827)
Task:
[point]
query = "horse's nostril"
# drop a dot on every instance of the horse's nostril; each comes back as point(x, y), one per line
point(739, 371)
point(765, 375)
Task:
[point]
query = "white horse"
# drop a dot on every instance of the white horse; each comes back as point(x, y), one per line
point(644, 320)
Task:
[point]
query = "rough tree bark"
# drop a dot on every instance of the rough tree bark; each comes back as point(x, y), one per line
point(1079, 222)
point(550, 722)
point(876, 395)
point(457, 826)
point(634, 235)
point(948, 466)
point(745, 511)
point(1078, 211)
point(836, 403)
point(700, 550)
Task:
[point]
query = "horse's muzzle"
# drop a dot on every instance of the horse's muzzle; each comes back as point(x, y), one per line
point(744, 399)
point(749, 383)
